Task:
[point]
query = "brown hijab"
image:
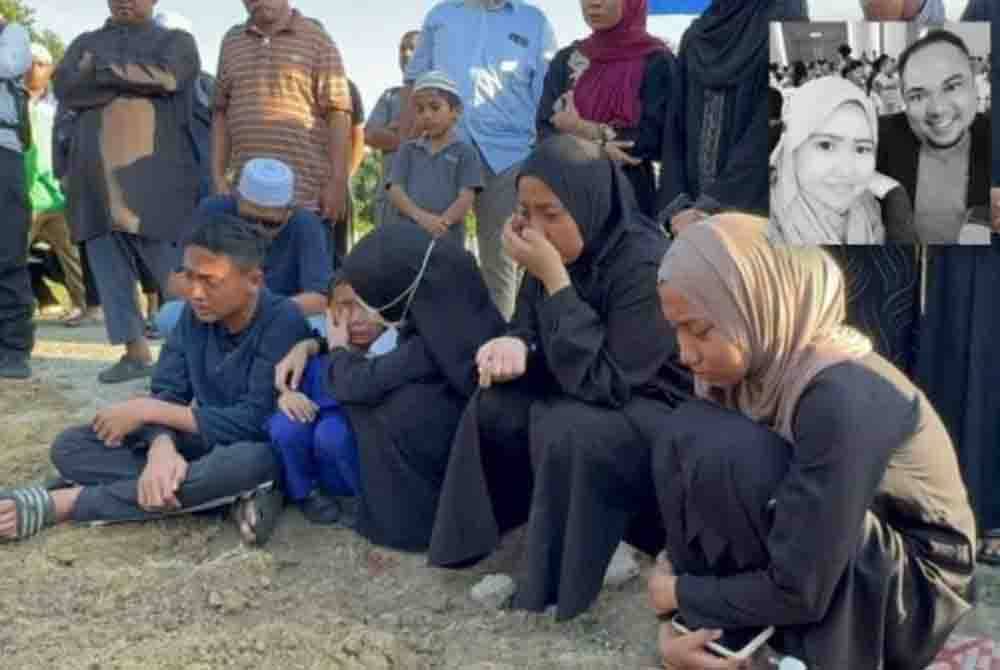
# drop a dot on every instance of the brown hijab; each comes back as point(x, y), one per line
point(783, 306)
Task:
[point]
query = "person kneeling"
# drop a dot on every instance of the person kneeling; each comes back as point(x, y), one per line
point(198, 441)
point(311, 434)
point(813, 488)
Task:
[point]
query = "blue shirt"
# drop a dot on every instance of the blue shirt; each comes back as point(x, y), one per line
point(498, 58)
point(298, 260)
point(231, 376)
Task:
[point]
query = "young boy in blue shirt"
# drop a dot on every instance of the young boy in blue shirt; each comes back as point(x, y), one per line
point(310, 433)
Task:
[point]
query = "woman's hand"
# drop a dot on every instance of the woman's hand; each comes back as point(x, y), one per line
point(532, 250)
point(288, 372)
point(297, 406)
point(685, 218)
point(501, 360)
point(567, 120)
point(616, 152)
point(689, 651)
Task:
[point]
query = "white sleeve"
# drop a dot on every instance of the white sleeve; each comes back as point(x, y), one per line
point(15, 51)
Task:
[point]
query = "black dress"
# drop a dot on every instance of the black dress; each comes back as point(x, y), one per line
point(404, 406)
point(657, 95)
point(856, 542)
point(958, 364)
point(558, 449)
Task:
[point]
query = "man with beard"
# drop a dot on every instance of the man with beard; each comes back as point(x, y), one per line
point(938, 149)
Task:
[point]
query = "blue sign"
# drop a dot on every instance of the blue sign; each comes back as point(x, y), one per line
point(678, 6)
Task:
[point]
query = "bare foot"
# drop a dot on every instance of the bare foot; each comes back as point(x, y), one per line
point(8, 520)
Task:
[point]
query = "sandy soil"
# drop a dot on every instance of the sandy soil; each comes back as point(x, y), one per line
point(183, 594)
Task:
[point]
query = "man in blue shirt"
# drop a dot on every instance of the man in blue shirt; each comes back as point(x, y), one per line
point(297, 263)
point(497, 52)
point(199, 441)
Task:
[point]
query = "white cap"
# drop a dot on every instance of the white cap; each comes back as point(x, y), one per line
point(174, 21)
point(267, 182)
point(791, 663)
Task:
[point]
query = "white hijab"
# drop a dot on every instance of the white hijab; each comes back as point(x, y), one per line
point(796, 219)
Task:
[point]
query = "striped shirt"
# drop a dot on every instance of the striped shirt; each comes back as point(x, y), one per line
point(278, 94)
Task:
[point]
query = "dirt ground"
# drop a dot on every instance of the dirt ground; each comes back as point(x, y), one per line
point(183, 594)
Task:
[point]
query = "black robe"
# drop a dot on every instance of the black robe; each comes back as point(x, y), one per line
point(723, 122)
point(132, 165)
point(404, 406)
point(558, 448)
point(856, 542)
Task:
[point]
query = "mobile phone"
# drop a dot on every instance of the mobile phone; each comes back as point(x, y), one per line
point(739, 643)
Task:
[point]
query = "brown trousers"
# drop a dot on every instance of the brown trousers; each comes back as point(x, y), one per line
point(53, 229)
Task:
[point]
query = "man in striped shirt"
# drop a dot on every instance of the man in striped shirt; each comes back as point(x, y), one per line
point(282, 93)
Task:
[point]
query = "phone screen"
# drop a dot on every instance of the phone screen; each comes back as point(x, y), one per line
point(733, 639)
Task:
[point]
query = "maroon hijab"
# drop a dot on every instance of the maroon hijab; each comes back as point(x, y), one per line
point(608, 91)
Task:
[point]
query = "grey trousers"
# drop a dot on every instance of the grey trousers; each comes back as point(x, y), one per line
point(114, 260)
point(110, 477)
point(494, 206)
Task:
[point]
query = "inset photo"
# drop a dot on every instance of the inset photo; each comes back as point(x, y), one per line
point(880, 133)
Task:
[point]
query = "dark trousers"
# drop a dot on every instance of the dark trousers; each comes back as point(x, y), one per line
point(110, 477)
point(17, 331)
point(118, 261)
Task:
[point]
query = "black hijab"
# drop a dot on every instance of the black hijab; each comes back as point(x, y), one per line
point(450, 307)
point(595, 192)
point(727, 42)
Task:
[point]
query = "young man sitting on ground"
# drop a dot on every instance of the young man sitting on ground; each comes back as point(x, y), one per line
point(199, 441)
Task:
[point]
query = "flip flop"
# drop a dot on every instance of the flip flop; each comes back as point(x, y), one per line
point(989, 548)
point(257, 514)
point(34, 508)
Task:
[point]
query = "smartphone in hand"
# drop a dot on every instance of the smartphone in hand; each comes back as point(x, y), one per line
point(739, 643)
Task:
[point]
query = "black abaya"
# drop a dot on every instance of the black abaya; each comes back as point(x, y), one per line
point(558, 448)
point(404, 407)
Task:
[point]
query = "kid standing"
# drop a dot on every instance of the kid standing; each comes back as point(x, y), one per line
point(435, 178)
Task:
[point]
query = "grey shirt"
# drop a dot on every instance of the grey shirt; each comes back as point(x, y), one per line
point(433, 181)
point(942, 185)
point(15, 60)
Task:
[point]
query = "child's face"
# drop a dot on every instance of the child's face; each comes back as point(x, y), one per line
point(363, 327)
point(434, 115)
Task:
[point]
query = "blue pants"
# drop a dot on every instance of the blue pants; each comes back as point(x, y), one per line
point(322, 454)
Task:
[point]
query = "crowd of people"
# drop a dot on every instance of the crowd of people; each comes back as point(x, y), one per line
point(638, 354)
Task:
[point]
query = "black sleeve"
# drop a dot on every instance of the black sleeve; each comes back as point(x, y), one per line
point(174, 71)
point(844, 435)
point(601, 358)
point(354, 379)
point(76, 87)
point(556, 83)
point(659, 105)
point(897, 216)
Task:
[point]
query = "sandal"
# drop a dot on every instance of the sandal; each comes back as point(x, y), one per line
point(989, 548)
point(257, 514)
point(34, 508)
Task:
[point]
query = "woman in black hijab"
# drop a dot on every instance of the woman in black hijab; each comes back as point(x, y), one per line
point(551, 439)
point(723, 66)
point(404, 405)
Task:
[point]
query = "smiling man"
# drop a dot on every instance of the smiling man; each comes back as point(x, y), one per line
point(939, 148)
